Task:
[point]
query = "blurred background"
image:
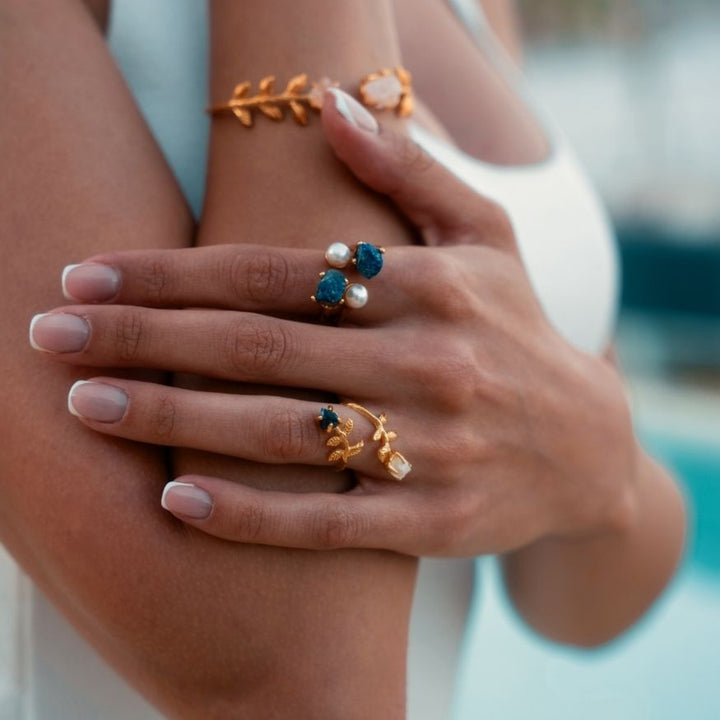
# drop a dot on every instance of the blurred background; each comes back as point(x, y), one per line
point(635, 85)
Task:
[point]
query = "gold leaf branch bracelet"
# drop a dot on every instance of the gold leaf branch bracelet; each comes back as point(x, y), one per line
point(384, 90)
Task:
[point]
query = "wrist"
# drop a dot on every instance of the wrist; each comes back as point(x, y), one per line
point(599, 493)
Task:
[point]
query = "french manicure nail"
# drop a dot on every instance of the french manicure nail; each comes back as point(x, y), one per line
point(186, 500)
point(97, 401)
point(59, 332)
point(90, 282)
point(353, 111)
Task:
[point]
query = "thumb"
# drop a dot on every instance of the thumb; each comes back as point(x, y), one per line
point(442, 206)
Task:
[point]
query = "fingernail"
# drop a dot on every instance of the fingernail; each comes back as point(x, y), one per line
point(187, 500)
point(90, 282)
point(353, 111)
point(59, 332)
point(97, 401)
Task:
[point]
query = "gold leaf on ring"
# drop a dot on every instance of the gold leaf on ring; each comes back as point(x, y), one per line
point(299, 112)
point(378, 434)
point(392, 435)
point(355, 449)
point(348, 426)
point(272, 111)
point(297, 84)
point(243, 115)
point(336, 455)
point(333, 441)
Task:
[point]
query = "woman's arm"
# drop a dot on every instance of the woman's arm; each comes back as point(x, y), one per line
point(586, 591)
point(203, 628)
point(279, 184)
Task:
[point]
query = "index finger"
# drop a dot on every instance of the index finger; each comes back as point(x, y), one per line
point(233, 277)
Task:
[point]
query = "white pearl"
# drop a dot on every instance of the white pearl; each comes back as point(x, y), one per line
point(338, 255)
point(356, 296)
point(398, 466)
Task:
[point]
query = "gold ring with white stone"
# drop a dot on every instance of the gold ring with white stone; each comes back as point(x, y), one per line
point(394, 463)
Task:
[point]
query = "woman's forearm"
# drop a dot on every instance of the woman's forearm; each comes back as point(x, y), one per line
point(586, 591)
point(335, 623)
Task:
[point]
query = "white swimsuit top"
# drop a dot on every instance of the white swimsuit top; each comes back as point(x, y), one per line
point(569, 252)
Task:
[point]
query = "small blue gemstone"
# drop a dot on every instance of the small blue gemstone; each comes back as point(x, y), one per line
point(331, 288)
point(368, 260)
point(328, 418)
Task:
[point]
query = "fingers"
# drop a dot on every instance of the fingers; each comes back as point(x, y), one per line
point(214, 343)
point(313, 521)
point(436, 200)
point(252, 278)
point(272, 430)
point(244, 277)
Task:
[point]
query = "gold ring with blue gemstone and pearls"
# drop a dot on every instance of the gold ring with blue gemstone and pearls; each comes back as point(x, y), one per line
point(334, 290)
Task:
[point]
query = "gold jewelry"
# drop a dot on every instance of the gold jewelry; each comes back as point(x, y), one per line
point(388, 90)
point(394, 463)
point(384, 90)
point(339, 441)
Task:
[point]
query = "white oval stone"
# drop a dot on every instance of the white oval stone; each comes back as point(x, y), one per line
point(383, 93)
point(338, 255)
point(356, 296)
point(398, 466)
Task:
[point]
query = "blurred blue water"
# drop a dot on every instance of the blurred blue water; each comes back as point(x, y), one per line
point(666, 668)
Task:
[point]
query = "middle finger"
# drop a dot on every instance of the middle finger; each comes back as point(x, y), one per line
point(229, 345)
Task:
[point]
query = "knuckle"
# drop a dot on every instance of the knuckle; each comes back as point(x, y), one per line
point(255, 346)
point(456, 525)
point(154, 278)
point(496, 225)
point(249, 522)
point(411, 157)
point(446, 288)
point(129, 335)
point(336, 527)
point(288, 436)
point(259, 276)
point(164, 418)
point(453, 360)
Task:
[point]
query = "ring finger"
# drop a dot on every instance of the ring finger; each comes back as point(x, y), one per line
point(258, 428)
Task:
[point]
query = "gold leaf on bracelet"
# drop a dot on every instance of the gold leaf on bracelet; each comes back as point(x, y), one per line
point(299, 98)
point(272, 111)
point(296, 84)
point(241, 90)
point(243, 115)
point(299, 112)
point(267, 85)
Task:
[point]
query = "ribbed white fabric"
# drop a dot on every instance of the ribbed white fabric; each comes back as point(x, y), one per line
point(569, 252)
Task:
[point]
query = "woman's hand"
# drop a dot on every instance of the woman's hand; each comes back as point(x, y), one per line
point(513, 435)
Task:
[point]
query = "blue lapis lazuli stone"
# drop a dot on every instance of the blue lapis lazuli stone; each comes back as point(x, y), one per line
point(368, 260)
point(328, 418)
point(331, 288)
